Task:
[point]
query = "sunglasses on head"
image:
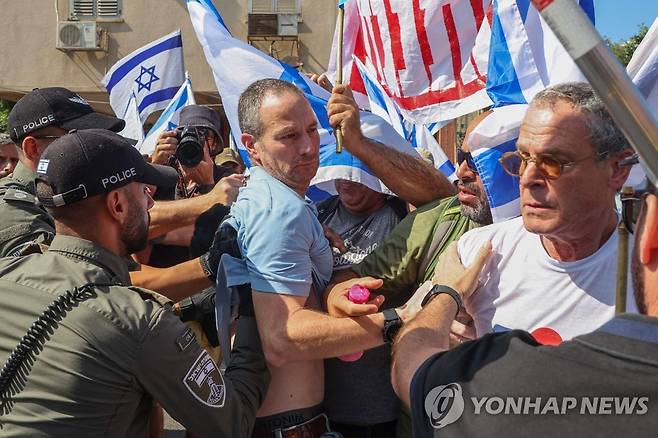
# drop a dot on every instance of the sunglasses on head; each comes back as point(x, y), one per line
point(515, 163)
point(466, 156)
point(632, 200)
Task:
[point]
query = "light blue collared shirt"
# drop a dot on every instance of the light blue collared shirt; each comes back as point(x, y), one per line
point(280, 239)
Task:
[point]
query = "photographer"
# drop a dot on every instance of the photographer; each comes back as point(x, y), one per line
point(191, 149)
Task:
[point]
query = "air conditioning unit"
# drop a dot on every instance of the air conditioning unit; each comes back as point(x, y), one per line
point(81, 35)
point(287, 24)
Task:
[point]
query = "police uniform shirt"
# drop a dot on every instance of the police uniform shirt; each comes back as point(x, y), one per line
point(103, 363)
point(505, 384)
point(22, 217)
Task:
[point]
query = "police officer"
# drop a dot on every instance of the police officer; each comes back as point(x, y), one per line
point(100, 350)
point(45, 114)
point(41, 116)
point(604, 383)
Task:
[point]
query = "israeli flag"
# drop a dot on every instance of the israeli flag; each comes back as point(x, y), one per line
point(418, 135)
point(169, 118)
point(525, 57)
point(236, 65)
point(152, 74)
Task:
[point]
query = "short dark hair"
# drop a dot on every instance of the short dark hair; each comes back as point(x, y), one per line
point(252, 98)
point(605, 135)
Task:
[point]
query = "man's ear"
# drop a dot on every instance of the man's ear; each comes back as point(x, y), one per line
point(619, 173)
point(649, 238)
point(249, 142)
point(117, 207)
point(30, 148)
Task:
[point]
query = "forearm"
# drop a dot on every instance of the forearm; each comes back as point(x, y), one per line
point(310, 335)
point(402, 172)
point(177, 282)
point(169, 215)
point(426, 334)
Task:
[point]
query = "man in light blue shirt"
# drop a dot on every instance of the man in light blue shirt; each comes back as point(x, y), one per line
point(280, 237)
point(288, 260)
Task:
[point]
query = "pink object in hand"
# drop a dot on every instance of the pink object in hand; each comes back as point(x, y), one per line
point(359, 295)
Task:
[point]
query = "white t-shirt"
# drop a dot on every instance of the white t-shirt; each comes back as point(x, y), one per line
point(522, 287)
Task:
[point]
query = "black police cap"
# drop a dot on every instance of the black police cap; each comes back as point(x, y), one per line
point(91, 162)
point(56, 106)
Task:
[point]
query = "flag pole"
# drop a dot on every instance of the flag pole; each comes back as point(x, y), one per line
point(339, 71)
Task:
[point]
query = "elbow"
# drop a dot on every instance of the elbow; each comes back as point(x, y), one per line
point(276, 350)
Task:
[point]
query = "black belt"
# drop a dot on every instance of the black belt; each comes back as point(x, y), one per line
point(312, 428)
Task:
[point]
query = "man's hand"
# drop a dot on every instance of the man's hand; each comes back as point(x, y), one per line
point(450, 271)
point(334, 239)
point(165, 148)
point(202, 173)
point(225, 191)
point(322, 81)
point(339, 305)
point(462, 329)
point(413, 304)
point(344, 112)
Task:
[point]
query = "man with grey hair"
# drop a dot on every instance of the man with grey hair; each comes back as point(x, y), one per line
point(8, 155)
point(554, 269)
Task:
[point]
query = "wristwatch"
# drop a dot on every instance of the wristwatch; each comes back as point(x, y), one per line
point(438, 289)
point(392, 324)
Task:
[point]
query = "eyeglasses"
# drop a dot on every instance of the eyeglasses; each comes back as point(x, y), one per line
point(515, 163)
point(466, 156)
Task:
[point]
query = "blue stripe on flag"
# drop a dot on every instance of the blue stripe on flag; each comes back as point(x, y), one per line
point(168, 112)
point(329, 157)
point(121, 72)
point(588, 7)
point(502, 83)
point(317, 195)
point(501, 187)
point(341, 3)
point(211, 8)
point(523, 6)
point(447, 168)
point(158, 96)
point(318, 104)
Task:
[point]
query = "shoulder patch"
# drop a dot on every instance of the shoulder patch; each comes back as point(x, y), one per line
point(205, 382)
point(185, 339)
point(19, 195)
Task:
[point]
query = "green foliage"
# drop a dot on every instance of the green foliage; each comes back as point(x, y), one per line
point(624, 50)
point(5, 107)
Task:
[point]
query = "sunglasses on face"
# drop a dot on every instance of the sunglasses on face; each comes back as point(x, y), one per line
point(466, 156)
point(515, 163)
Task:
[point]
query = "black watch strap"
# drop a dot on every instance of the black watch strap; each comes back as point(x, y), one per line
point(438, 289)
point(392, 324)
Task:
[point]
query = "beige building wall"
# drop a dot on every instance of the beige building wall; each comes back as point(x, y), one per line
point(29, 59)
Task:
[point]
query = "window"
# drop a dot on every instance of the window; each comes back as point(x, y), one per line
point(95, 9)
point(274, 6)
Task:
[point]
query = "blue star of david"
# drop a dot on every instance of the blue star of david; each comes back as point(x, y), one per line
point(141, 85)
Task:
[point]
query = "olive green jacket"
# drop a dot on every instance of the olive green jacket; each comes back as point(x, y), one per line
point(23, 220)
point(103, 358)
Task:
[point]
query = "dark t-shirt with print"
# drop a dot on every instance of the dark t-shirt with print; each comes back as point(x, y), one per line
point(359, 392)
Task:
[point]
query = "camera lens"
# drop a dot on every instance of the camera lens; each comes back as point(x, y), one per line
point(189, 151)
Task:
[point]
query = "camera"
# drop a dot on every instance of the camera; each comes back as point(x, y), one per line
point(189, 151)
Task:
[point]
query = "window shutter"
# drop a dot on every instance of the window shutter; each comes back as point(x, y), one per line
point(82, 8)
point(262, 6)
point(107, 8)
point(286, 7)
